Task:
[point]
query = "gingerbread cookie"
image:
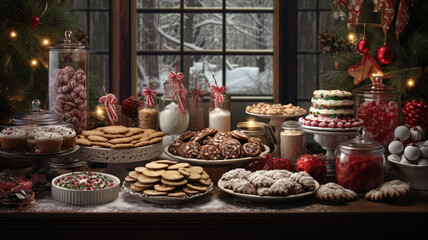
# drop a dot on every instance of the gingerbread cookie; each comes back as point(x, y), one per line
point(388, 190)
point(115, 130)
point(210, 152)
point(95, 138)
point(92, 133)
point(230, 149)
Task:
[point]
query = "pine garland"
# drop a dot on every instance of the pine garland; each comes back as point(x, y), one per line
point(411, 58)
point(20, 82)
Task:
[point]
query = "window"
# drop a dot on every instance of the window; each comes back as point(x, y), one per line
point(94, 16)
point(231, 39)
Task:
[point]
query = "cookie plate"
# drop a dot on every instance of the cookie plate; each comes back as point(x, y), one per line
point(275, 116)
point(257, 198)
point(165, 199)
point(202, 162)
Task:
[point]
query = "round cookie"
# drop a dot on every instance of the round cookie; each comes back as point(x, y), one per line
point(165, 161)
point(174, 183)
point(140, 169)
point(175, 146)
point(251, 149)
point(197, 187)
point(205, 182)
point(190, 191)
point(230, 149)
point(210, 152)
point(163, 188)
point(133, 174)
point(115, 130)
point(144, 185)
point(135, 188)
point(199, 136)
point(239, 135)
point(218, 139)
point(178, 165)
point(187, 135)
point(154, 193)
point(177, 194)
point(258, 141)
point(156, 165)
point(145, 179)
point(210, 131)
point(172, 175)
point(130, 179)
point(190, 150)
point(153, 173)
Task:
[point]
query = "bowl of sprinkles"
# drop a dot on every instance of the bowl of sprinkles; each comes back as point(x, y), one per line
point(85, 188)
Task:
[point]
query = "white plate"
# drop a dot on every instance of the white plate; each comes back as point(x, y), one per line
point(203, 162)
point(327, 129)
point(258, 198)
point(126, 155)
point(274, 116)
point(165, 199)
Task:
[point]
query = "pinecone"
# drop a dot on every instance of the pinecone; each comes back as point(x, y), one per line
point(82, 37)
point(130, 107)
point(415, 113)
point(330, 43)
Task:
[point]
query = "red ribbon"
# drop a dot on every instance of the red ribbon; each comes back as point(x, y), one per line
point(218, 92)
point(175, 80)
point(109, 101)
point(196, 93)
point(150, 94)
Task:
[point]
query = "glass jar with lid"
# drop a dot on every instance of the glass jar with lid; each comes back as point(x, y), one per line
point(259, 130)
point(68, 81)
point(378, 105)
point(292, 140)
point(148, 116)
point(35, 117)
point(359, 164)
point(171, 119)
point(219, 116)
point(196, 113)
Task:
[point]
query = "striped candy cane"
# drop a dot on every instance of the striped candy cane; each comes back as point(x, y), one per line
point(109, 101)
point(150, 94)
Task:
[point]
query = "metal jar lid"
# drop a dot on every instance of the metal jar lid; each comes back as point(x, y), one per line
point(35, 116)
point(68, 43)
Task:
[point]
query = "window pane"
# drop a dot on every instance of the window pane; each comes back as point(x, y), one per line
point(157, 67)
point(249, 31)
point(304, 4)
point(202, 31)
point(99, 3)
point(325, 4)
point(249, 3)
point(202, 67)
point(99, 37)
point(324, 21)
point(306, 27)
point(325, 66)
point(82, 20)
point(306, 76)
point(100, 67)
point(76, 4)
point(158, 3)
point(158, 31)
point(202, 3)
point(249, 75)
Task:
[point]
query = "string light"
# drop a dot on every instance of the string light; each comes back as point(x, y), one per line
point(45, 42)
point(13, 34)
point(351, 37)
point(34, 62)
point(410, 82)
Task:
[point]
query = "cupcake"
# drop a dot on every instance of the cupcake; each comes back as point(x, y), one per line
point(68, 135)
point(13, 138)
point(31, 140)
point(49, 142)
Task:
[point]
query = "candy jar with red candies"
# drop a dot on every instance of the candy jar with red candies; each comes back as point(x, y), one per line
point(378, 105)
point(68, 81)
point(359, 164)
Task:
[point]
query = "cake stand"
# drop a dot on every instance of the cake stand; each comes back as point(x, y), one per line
point(117, 159)
point(329, 139)
point(275, 121)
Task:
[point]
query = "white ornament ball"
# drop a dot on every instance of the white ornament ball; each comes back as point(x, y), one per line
point(412, 153)
point(404, 160)
point(420, 129)
point(396, 147)
point(402, 132)
point(423, 162)
point(424, 151)
point(415, 135)
point(394, 157)
point(426, 143)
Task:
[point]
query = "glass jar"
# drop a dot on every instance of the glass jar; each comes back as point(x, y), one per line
point(196, 113)
point(148, 116)
point(99, 117)
point(259, 130)
point(292, 140)
point(35, 117)
point(68, 81)
point(220, 117)
point(359, 164)
point(171, 120)
point(378, 106)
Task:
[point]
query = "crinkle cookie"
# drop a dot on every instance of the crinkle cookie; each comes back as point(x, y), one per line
point(244, 186)
point(304, 179)
point(259, 180)
point(282, 187)
point(263, 191)
point(236, 173)
point(277, 174)
point(333, 192)
point(388, 190)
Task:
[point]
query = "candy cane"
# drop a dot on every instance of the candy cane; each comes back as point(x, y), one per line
point(196, 92)
point(150, 94)
point(109, 101)
point(218, 93)
point(175, 80)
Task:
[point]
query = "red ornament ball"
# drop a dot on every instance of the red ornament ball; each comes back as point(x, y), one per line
point(385, 55)
point(415, 113)
point(35, 20)
point(311, 164)
point(269, 162)
point(130, 107)
point(363, 46)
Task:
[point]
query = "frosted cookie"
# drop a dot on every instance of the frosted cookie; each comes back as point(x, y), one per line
point(260, 180)
point(230, 149)
point(190, 150)
point(388, 190)
point(304, 179)
point(210, 152)
point(251, 149)
point(244, 187)
point(281, 187)
point(263, 191)
point(277, 174)
point(333, 192)
point(240, 173)
point(239, 135)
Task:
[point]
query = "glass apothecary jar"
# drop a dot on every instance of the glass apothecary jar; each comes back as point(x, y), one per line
point(171, 120)
point(219, 117)
point(148, 116)
point(99, 117)
point(68, 81)
point(292, 140)
point(359, 164)
point(378, 105)
point(196, 113)
point(259, 130)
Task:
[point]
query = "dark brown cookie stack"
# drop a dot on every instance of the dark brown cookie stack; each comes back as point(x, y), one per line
point(209, 144)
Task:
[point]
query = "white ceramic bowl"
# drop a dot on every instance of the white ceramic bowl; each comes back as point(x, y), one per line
point(85, 197)
point(416, 175)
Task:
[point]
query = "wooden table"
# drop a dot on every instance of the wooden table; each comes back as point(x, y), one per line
point(218, 214)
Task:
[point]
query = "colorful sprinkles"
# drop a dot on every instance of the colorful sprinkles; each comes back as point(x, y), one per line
point(85, 181)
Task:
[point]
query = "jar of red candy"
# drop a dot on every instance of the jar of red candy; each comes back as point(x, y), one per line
point(378, 106)
point(359, 164)
point(68, 81)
